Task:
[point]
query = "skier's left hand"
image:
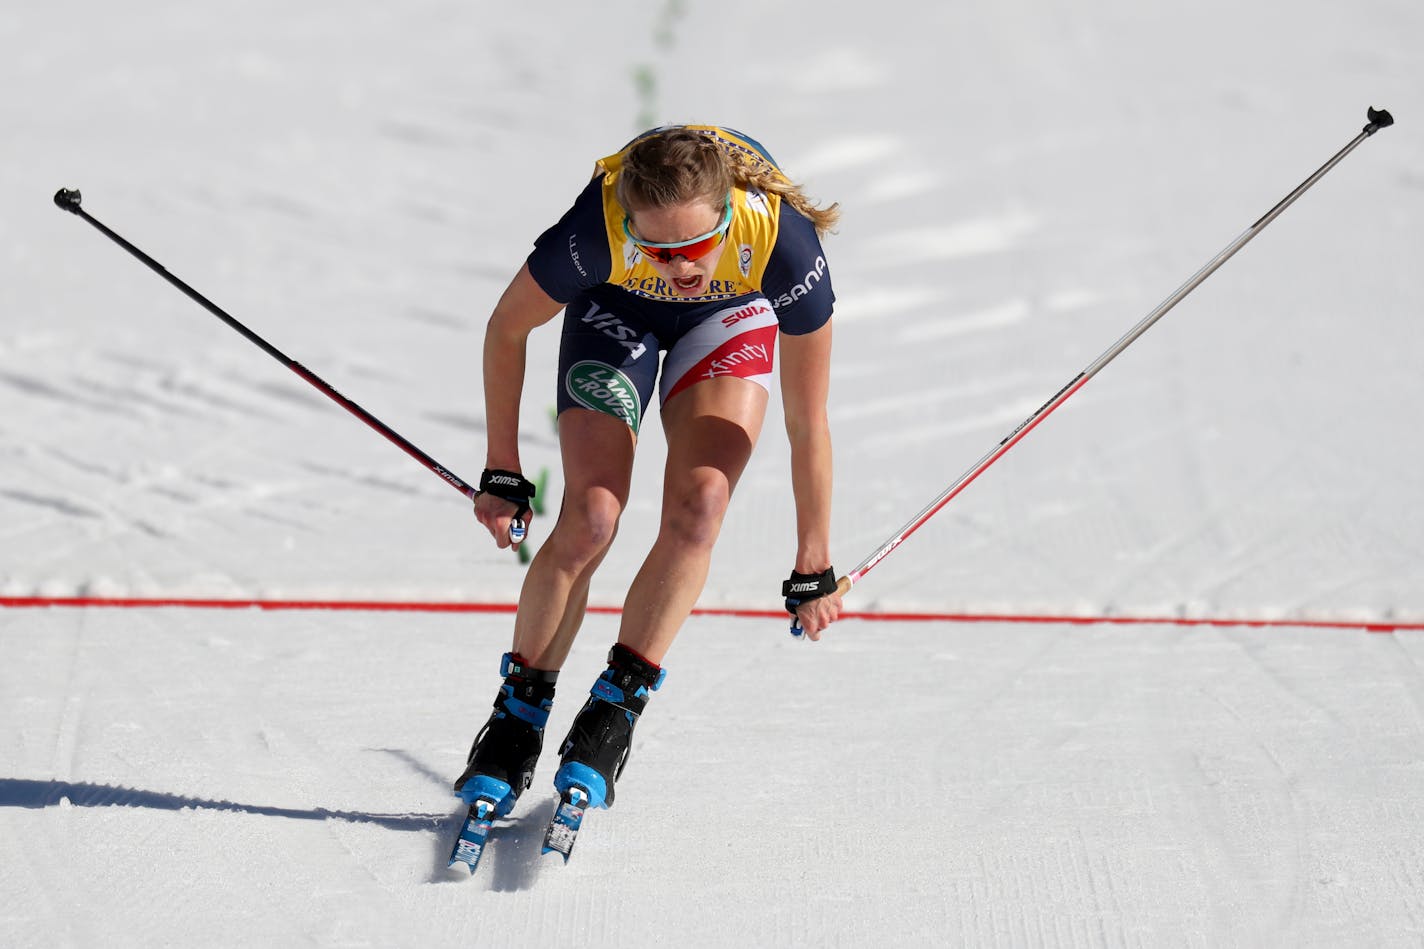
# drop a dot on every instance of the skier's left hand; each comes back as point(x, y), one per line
point(814, 599)
point(814, 616)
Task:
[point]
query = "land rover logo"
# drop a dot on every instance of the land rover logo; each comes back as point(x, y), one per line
point(604, 389)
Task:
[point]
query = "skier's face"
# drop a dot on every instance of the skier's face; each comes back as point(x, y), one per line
point(697, 232)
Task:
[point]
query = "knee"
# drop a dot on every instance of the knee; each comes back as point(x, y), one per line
point(696, 507)
point(587, 524)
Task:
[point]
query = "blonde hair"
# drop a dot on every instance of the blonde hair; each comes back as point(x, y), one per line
point(684, 164)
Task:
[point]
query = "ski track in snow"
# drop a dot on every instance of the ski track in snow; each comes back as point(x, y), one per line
point(1019, 186)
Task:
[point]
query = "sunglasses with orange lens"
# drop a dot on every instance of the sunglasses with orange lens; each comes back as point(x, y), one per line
point(694, 248)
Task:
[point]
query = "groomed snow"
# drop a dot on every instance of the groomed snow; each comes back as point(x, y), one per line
point(1020, 185)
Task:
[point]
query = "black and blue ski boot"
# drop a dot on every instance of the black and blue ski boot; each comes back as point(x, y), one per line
point(502, 759)
point(596, 749)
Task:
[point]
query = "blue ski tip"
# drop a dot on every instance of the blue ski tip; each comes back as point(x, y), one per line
point(564, 826)
point(474, 834)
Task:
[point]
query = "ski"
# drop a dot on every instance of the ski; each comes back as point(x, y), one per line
point(564, 825)
point(474, 833)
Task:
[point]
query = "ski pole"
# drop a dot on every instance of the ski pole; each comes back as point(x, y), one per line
point(1378, 119)
point(69, 200)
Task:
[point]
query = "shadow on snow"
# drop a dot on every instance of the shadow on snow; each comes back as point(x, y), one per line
point(19, 792)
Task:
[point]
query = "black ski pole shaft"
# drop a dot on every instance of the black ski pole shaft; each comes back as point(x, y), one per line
point(1378, 119)
point(70, 201)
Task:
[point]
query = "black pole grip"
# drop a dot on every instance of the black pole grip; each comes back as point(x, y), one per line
point(68, 200)
point(1379, 119)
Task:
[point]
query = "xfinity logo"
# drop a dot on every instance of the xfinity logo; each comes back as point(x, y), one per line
point(813, 277)
point(727, 364)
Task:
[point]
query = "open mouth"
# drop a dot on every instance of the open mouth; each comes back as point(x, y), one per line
point(687, 284)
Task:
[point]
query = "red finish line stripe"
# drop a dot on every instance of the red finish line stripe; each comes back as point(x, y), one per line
point(26, 602)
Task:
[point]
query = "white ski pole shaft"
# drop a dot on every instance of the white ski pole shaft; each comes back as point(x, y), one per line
point(1378, 119)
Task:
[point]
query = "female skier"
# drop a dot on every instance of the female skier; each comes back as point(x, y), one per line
point(689, 241)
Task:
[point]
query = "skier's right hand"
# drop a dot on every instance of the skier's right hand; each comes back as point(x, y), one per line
point(502, 506)
point(499, 518)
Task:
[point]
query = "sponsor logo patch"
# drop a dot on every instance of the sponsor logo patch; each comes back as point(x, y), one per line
point(603, 388)
point(813, 277)
point(611, 326)
point(746, 312)
point(751, 358)
point(574, 255)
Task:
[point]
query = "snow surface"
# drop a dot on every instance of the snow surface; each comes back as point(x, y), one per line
point(1019, 184)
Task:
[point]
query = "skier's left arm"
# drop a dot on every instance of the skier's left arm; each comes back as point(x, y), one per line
point(805, 389)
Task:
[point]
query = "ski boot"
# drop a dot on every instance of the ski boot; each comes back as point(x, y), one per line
point(501, 762)
point(596, 749)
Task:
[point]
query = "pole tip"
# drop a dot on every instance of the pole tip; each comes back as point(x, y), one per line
point(1379, 119)
point(68, 200)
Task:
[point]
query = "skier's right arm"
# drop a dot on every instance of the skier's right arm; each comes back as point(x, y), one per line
point(522, 307)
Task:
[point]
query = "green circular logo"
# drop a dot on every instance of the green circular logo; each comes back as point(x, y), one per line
point(604, 388)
